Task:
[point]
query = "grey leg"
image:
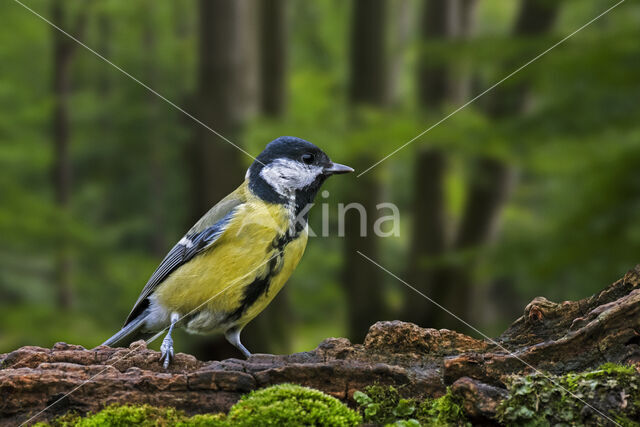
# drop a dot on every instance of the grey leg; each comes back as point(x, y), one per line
point(166, 348)
point(233, 336)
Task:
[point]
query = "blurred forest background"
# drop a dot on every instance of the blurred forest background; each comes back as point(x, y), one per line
point(534, 189)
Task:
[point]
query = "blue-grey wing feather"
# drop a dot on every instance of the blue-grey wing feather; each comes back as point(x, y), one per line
point(188, 247)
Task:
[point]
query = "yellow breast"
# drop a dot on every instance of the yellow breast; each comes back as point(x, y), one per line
point(239, 275)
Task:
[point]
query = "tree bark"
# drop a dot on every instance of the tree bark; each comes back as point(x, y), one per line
point(156, 142)
point(437, 25)
point(363, 282)
point(401, 32)
point(463, 77)
point(535, 18)
point(226, 96)
point(438, 83)
point(368, 86)
point(428, 242)
point(273, 57)
point(61, 170)
point(105, 31)
point(557, 338)
point(429, 239)
point(224, 99)
point(493, 180)
point(368, 65)
point(271, 331)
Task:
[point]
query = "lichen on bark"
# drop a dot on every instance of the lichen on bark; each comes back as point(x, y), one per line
point(597, 397)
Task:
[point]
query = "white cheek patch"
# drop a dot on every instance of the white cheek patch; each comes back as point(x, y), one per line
point(286, 176)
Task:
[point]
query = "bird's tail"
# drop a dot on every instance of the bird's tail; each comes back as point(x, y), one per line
point(129, 333)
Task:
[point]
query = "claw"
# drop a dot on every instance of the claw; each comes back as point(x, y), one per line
point(166, 350)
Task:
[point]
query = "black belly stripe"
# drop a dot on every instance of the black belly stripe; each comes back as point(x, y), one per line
point(260, 285)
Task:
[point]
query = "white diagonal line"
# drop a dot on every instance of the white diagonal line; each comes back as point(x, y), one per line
point(491, 340)
point(150, 340)
point(168, 101)
point(490, 88)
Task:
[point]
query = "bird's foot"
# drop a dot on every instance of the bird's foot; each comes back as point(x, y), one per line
point(246, 352)
point(166, 349)
point(233, 336)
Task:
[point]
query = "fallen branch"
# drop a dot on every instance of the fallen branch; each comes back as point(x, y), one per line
point(551, 337)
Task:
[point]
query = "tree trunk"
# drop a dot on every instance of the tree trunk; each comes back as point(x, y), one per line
point(105, 31)
point(437, 19)
point(156, 142)
point(362, 281)
point(223, 100)
point(493, 180)
point(273, 57)
point(536, 17)
point(429, 206)
point(368, 71)
point(225, 97)
point(462, 78)
point(368, 85)
point(271, 330)
point(62, 53)
point(438, 83)
point(401, 32)
point(429, 239)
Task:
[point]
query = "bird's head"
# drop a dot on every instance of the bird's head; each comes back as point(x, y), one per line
point(291, 167)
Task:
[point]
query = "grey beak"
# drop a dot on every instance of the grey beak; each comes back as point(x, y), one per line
point(336, 168)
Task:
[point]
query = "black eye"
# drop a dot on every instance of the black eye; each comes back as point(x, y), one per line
point(307, 158)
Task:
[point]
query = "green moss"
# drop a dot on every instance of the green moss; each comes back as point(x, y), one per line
point(445, 410)
point(131, 415)
point(378, 404)
point(537, 399)
point(289, 405)
point(384, 405)
point(67, 420)
point(284, 404)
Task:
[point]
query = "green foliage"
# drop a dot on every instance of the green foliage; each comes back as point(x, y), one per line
point(572, 218)
point(384, 405)
point(291, 405)
point(539, 399)
point(144, 415)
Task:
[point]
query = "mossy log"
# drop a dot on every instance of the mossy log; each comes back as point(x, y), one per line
point(551, 337)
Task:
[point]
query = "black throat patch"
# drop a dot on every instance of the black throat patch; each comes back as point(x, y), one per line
point(260, 285)
point(300, 199)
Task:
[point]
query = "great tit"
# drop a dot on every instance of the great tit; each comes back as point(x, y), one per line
point(235, 259)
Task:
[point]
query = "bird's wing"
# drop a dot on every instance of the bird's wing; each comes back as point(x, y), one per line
point(202, 235)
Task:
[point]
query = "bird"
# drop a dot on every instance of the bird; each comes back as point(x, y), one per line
point(231, 264)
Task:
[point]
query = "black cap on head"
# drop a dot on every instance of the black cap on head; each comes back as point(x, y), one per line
point(297, 149)
point(291, 166)
point(290, 147)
